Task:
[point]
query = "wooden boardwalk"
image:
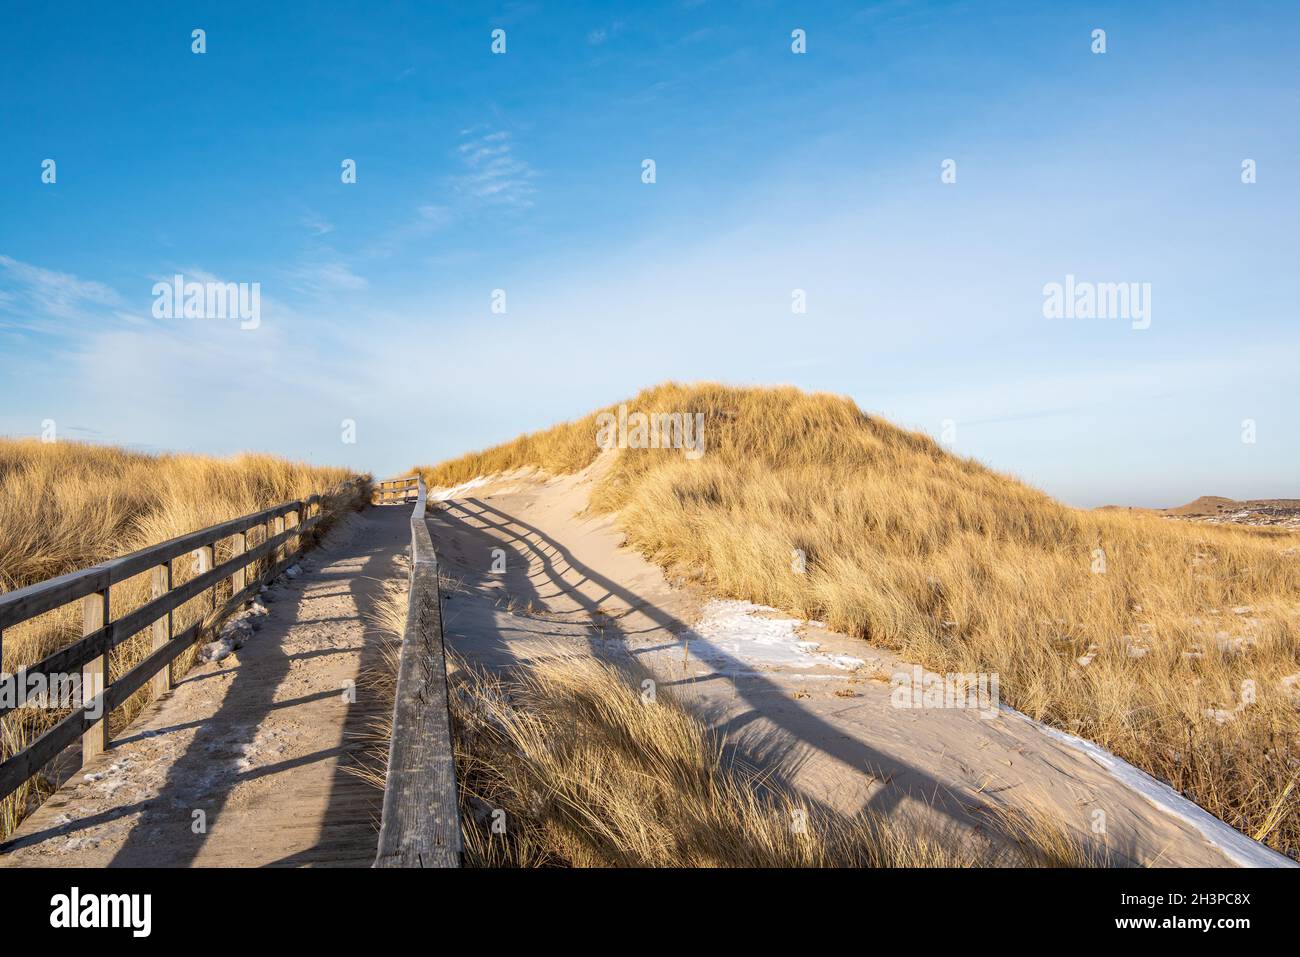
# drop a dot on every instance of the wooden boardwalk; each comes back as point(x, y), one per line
point(245, 762)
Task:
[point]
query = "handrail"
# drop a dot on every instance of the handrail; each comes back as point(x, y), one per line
point(420, 826)
point(22, 603)
point(88, 719)
point(401, 487)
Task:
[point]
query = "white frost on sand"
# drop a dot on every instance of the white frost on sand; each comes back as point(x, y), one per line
point(1237, 847)
point(738, 635)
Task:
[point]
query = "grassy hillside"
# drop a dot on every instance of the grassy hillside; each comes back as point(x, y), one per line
point(1173, 644)
point(66, 506)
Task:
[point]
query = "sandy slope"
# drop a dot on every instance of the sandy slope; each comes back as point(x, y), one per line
point(570, 587)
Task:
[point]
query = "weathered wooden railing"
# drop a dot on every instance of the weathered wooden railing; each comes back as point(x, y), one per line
point(393, 491)
point(421, 819)
point(89, 656)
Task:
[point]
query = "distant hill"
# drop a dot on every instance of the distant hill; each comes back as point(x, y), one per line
point(1205, 505)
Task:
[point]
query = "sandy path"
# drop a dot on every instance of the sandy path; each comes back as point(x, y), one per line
point(255, 743)
point(569, 587)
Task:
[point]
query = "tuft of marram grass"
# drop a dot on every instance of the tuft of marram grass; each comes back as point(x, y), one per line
point(963, 569)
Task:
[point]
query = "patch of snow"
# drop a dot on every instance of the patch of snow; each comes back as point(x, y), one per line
point(1238, 848)
point(234, 633)
point(1290, 686)
point(1234, 644)
point(442, 495)
point(847, 662)
point(216, 650)
point(736, 635)
point(293, 571)
point(1135, 647)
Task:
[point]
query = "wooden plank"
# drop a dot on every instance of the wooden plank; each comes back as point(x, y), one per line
point(420, 826)
point(162, 628)
point(23, 603)
point(94, 676)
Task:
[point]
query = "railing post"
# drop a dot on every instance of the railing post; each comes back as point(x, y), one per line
point(207, 561)
point(239, 579)
point(161, 683)
point(299, 546)
point(281, 550)
point(94, 675)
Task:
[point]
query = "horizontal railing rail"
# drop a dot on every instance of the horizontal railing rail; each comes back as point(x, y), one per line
point(286, 523)
point(420, 826)
point(393, 491)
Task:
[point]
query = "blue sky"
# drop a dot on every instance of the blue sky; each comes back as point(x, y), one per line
point(775, 172)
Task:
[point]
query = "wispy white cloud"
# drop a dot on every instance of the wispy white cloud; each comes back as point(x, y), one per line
point(427, 219)
point(128, 378)
point(322, 276)
point(35, 298)
point(317, 224)
point(433, 217)
point(600, 35)
point(493, 171)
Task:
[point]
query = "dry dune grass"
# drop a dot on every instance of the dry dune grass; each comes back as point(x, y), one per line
point(66, 506)
point(1189, 633)
point(566, 764)
point(590, 775)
